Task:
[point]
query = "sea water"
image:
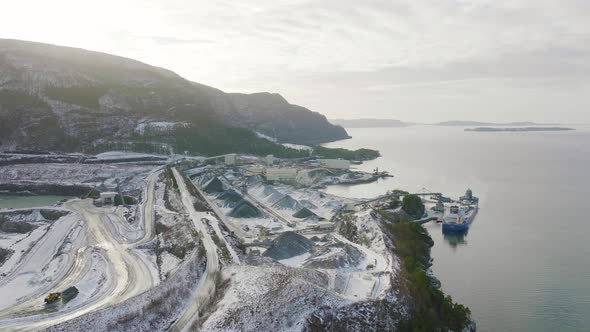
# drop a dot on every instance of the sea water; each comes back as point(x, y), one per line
point(524, 265)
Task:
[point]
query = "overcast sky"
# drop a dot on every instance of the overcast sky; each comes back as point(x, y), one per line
point(414, 60)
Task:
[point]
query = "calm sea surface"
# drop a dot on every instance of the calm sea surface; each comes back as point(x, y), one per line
point(525, 263)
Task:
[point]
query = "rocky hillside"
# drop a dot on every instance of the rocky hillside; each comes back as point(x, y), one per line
point(272, 115)
point(60, 98)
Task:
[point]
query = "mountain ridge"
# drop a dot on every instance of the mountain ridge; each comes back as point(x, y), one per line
point(63, 98)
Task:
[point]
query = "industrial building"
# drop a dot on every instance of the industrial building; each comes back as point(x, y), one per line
point(335, 163)
point(107, 198)
point(230, 159)
point(270, 160)
point(255, 170)
point(281, 174)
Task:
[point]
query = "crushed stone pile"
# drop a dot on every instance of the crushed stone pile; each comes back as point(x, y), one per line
point(305, 213)
point(288, 203)
point(214, 186)
point(288, 245)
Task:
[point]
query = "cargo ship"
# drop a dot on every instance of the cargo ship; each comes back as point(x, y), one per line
point(460, 216)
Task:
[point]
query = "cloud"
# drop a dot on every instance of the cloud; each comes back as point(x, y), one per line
point(167, 40)
point(341, 56)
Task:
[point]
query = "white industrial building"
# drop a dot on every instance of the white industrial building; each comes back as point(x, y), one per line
point(256, 170)
point(335, 163)
point(107, 198)
point(281, 174)
point(270, 160)
point(230, 159)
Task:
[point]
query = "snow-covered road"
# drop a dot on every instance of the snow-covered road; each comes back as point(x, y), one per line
point(127, 273)
point(206, 287)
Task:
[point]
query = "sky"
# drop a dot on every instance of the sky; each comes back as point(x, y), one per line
point(414, 60)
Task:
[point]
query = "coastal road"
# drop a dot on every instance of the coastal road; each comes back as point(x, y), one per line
point(206, 287)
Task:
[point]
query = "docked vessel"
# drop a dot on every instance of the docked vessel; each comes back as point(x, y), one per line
point(460, 216)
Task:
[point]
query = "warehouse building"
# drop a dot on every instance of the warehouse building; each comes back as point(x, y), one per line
point(281, 174)
point(335, 163)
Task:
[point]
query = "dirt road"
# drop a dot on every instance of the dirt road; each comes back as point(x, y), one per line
point(206, 287)
point(128, 273)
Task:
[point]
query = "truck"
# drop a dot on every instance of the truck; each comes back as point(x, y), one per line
point(52, 297)
point(65, 296)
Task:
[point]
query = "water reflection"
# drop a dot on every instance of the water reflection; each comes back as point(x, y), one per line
point(455, 239)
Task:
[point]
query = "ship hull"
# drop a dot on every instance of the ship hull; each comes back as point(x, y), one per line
point(455, 228)
point(463, 226)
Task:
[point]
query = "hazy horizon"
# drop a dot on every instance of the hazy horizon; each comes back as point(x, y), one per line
point(459, 120)
point(432, 61)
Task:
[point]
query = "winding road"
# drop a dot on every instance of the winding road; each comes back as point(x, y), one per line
point(129, 273)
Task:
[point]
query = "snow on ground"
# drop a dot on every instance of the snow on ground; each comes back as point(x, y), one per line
point(270, 298)
point(215, 225)
point(174, 230)
point(95, 280)
point(169, 262)
point(348, 271)
point(37, 261)
point(372, 244)
point(153, 310)
point(321, 177)
point(322, 204)
point(128, 232)
point(286, 200)
point(115, 155)
point(252, 225)
point(297, 146)
point(159, 126)
point(261, 135)
point(372, 282)
point(367, 223)
point(360, 285)
point(131, 177)
point(296, 261)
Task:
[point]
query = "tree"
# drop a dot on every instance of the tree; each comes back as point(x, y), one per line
point(395, 202)
point(413, 206)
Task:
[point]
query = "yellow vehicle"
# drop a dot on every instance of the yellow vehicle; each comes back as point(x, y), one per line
point(52, 297)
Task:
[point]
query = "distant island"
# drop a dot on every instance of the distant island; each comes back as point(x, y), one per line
point(487, 124)
point(390, 123)
point(518, 129)
point(369, 123)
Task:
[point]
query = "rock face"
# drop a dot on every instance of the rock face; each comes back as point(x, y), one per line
point(272, 115)
point(60, 98)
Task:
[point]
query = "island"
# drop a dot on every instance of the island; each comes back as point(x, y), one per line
point(462, 123)
point(518, 129)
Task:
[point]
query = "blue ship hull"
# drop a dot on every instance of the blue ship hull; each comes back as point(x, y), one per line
point(463, 227)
